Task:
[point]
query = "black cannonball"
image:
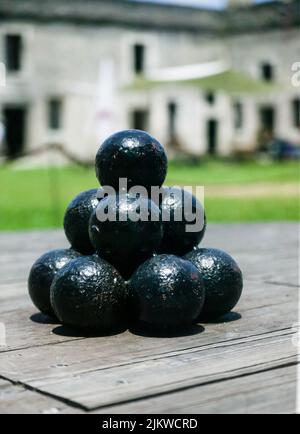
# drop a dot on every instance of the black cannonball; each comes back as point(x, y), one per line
point(76, 221)
point(134, 155)
point(180, 209)
point(222, 279)
point(90, 294)
point(42, 274)
point(127, 240)
point(166, 292)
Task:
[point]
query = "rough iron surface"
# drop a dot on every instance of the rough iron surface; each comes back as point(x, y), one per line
point(42, 274)
point(76, 221)
point(166, 292)
point(176, 239)
point(89, 294)
point(126, 243)
point(134, 155)
point(222, 278)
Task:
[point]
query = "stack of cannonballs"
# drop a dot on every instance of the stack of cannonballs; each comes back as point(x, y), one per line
point(122, 270)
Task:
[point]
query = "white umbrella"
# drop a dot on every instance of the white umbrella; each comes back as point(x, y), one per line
point(106, 94)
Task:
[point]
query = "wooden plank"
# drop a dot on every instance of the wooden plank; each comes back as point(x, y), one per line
point(31, 240)
point(235, 237)
point(254, 237)
point(24, 325)
point(267, 252)
point(104, 386)
point(279, 268)
point(268, 392)
point(74, 355)
point(15, 399)
point(17, 270)
point(14, 304)
point(273, 266)
point(71, 359)
point(278, 242)
point(282, 269)
point(14, 296)
point(25, 328)
point(19, 250)
point(74, 359)
point(267, 302)
point(94, 372)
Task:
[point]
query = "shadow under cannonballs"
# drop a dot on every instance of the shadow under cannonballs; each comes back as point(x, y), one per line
point(42, 318)
point(67, 331)
point(145, 330)
point(227, 318)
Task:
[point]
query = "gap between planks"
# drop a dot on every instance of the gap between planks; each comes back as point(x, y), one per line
point(269, 391)
point(117, 384)
point(17, 399)
point(76, 406)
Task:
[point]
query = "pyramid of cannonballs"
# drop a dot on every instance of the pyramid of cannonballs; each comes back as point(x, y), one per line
point(122, 270)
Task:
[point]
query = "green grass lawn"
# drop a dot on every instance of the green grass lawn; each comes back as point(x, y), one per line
point(37, 198)
point(226, 172)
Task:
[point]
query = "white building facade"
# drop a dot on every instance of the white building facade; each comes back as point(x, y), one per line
point(78, 71)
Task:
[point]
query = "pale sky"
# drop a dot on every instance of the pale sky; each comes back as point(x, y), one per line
point(203, 3)
point(216, 4)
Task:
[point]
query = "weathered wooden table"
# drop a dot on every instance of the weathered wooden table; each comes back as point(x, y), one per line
point(245, 365)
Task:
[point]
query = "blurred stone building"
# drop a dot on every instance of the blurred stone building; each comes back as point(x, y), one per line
point(201, 81)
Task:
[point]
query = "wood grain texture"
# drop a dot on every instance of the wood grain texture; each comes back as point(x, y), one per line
point(15, 399)
point(260, 307)
point(272, 391)
point(242, 365)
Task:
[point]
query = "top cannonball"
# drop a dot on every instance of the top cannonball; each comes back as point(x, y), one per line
point(134, 155)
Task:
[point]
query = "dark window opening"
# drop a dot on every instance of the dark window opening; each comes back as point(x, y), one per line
point(238, 115)
point(296, 113)
point(140, 120)
point(13, 52)
point(55, 114)
point(139, 58)
point(172, 114)
point(267, 119)
point(15, 125)
point(212, 136)
point(210, 97)
point(267, 72)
